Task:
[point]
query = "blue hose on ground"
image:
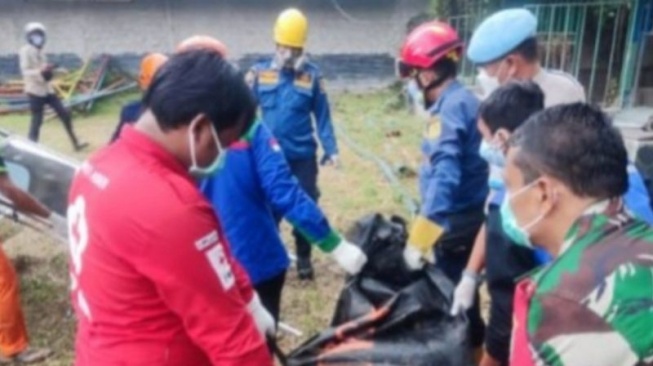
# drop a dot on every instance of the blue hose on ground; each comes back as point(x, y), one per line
point(406, 199)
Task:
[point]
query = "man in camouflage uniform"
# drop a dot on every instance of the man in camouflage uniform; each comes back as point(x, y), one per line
point(593, 305)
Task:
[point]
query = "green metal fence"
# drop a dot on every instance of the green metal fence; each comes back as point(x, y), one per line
point(588, 40)
point(594, 41)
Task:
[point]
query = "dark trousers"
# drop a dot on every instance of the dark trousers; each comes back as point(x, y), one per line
point(505, 263)
point(270, 293)
point(37, 105)
point(306, 171)
point(452, 253)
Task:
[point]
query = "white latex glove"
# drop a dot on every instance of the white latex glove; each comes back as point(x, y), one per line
point(59, 225)
point(262, 317)
point(463, 296)
point(350, 257)
point(415, 259)
point(332, 160)
point(335, 161)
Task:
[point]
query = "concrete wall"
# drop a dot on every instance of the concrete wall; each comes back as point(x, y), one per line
point(350, 38)
point(85, 28)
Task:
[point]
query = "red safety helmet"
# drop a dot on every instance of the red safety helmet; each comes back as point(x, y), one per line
point(428, 44)
point(202, 42)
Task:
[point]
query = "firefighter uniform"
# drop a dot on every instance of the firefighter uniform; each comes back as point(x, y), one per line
point(289, 100)
point(254, 183)
point(453, 184)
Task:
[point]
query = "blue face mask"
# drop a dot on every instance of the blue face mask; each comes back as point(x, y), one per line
point(37, 40)
point(492, 154)
point(518, 234)
point(495, 179)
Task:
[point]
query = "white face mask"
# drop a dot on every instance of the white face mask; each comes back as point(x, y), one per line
point(488, 83)
point(284, 58)
point(203, 172)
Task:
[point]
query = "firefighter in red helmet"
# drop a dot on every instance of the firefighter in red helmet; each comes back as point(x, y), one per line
point(453, 176)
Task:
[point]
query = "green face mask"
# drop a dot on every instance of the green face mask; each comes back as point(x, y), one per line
point(518, 234)
point(217, 164)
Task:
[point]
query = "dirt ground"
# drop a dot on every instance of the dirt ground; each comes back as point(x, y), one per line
point(376, 121)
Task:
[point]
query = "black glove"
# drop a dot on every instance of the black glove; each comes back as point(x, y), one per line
point(47, 74)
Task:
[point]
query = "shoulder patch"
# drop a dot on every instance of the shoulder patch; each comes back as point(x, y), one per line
point(304, 80)
point(268, 77)
point(433, 128)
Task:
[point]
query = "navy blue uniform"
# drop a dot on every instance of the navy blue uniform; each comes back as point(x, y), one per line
point(255, 183)
point(453, 184)
point(290, 100)
point(129, 114)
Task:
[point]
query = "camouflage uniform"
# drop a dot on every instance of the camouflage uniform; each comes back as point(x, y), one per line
point(593, 305)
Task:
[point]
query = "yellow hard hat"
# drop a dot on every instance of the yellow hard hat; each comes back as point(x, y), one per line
point(291, 28)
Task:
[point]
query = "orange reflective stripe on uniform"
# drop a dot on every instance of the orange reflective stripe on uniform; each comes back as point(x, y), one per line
point(268, 77)
point(304, 80)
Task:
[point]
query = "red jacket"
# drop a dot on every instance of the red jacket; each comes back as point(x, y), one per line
point(154, 282)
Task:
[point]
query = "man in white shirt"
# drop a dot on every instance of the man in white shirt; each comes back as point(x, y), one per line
point(504, 55)
point(37, 75)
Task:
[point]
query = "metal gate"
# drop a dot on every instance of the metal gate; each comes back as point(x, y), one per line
point(596, 41)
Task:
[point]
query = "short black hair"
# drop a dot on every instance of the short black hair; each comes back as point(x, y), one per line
point(577, 144)
point(528, 49)
point(510, 105)
point(445, 68)
point(199, 81)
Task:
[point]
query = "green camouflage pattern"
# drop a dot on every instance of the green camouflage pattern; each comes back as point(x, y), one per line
point(593, 305)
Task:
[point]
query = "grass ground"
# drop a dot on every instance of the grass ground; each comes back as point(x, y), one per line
point(373, 120)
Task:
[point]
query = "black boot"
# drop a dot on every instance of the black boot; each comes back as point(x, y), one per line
point(305, 269)
point(81, 146)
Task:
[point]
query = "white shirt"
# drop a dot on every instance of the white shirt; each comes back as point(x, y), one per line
point(559, 87)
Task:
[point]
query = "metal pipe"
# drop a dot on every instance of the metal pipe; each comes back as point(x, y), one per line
point(547, 58)
point(579, 41)
point(616, 27)
point(563, 62)
point(642, 47)
point(595, 55)
point(627, 72)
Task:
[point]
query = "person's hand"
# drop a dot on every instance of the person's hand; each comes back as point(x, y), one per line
point(349, 256)
point(262, 318)
point(463, 296)
point(416, 259)
point(59, 225)
point(331, 160)
point(47, 74)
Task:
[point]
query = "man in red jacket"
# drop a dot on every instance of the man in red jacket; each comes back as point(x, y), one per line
point(154, 282)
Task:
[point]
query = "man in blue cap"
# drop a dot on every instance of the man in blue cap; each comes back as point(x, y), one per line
point(503, 55)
